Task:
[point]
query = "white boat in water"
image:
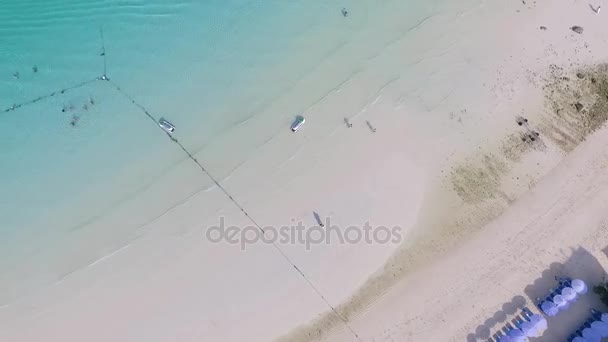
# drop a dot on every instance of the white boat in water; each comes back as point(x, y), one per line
point(166, 125)
point(297, 124)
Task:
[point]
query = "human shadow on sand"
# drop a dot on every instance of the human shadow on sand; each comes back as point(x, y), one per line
point(605, 250)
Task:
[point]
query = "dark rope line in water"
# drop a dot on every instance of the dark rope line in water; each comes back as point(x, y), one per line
point(204, 170)
point(103, 51)
point(236, 203)
point(75, 86)
point(43, 97)
point(142, 108)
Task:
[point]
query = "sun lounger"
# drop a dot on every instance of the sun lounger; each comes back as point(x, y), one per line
point(555, 292)
point(526, 313)
point(563, 280)
point(539, 302)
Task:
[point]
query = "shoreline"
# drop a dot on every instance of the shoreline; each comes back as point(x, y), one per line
point(494, 200)
point(456, 118)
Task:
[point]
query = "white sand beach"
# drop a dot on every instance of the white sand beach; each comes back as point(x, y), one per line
point(557, 229)
point(487, 218)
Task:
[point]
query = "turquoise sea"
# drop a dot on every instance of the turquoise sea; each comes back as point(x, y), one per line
point(208, 66)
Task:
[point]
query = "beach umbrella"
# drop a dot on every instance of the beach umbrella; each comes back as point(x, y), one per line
point(505, 339)
point(541, 326)
point(579, 286)
point(591, 335)
point(579, 339)
point(536, 318)
point(529, 329)
point(540, 323)
point(517, 335)
point(605, 317)
point(601, 328)
point(549, 308)
point(560, 301)
point(569, 294)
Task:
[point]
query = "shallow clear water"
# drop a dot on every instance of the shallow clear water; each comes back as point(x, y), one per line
point(207, 66)
point(199, 64)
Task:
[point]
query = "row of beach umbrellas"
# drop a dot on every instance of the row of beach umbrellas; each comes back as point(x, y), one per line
point(532, 327)
point(559, 300)
point(562, 300)
point(595, 331)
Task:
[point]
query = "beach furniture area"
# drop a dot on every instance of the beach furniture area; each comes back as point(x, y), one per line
point(526, 324)
point(594, 329)
point(529, 325)
point(562, 297)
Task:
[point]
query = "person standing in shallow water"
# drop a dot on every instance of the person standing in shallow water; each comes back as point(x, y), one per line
point(344, 12)
point(74, 121)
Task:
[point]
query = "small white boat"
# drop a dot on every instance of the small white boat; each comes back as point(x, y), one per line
point(166, 125)
point(295, 126)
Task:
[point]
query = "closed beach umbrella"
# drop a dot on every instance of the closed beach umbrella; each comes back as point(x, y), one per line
point(560, 301)
point(569, 294)
point(601, 328)
point(549, 308)
point(579, 339)
point(605, 317)
point(529, 329)
point(579, 286)
point(591, 336)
